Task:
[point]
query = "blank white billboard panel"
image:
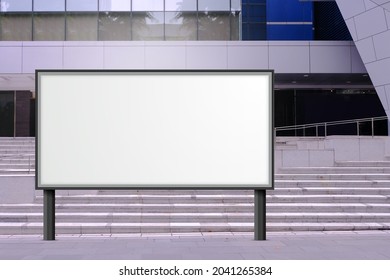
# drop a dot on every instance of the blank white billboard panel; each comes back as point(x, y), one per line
point(158, 129)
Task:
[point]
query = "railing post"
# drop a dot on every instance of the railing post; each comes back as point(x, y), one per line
point(372, 127)
point(316, 130)
point(357, 128)
point(325, 132)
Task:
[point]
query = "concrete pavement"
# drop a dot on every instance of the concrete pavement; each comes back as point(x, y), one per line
point(354, 245)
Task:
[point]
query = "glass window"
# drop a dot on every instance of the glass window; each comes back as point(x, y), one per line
point(180, 5)
point(235, 26)
point(16, 5)
point(114, 27)
point(150, 5)
point(257, 31)
point(115, 5)
point(215, 5)
point(81, 27)
point(180, 26)
point(82, 5)
point(16, 27)
point(214, 26)
point(235, 5)
point(49, 27)
point(148, 26)
point(49, 6)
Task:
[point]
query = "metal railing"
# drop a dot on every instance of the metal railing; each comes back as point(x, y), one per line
point(31, 159)
point(303, 128)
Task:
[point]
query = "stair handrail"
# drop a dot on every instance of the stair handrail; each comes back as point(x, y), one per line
point(332, 123)
point(16, 155)
point(31, 163)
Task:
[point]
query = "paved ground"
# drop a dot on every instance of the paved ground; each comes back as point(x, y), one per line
point(372, 245)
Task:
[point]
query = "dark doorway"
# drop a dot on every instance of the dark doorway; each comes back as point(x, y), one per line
point(7, 113)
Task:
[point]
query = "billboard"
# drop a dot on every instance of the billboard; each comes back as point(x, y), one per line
point(154, 129)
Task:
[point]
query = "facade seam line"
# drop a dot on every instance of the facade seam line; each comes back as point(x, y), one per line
point(269, 54)
point(379, 33)
point(355, 29)
point(350, 58)
point(387, 23)
point(385, 58)
point(387, 100)
point(373, 46)
point(376, 5)
point(361, 13)
point(310, 57)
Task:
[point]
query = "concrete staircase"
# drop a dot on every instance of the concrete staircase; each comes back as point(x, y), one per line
point(348, 196)
point(17, 156)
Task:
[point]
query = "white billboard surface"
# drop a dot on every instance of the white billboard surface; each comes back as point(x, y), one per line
point(154, 129)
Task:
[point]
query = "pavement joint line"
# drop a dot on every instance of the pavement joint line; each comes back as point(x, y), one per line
point(230, 235)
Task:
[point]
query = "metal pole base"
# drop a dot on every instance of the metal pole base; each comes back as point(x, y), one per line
point(260, 215)
point(49, 215)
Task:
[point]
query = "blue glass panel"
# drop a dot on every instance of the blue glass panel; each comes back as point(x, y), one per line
point(290, 32)
point(257, 31)
point(253, 13)
point(254, 31)
point(289, 10)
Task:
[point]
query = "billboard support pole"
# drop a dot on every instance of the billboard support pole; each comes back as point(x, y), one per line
point(260, 215)
point(49, 214)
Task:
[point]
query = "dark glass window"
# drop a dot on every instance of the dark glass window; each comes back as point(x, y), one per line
point(16, 27)
point(49, 27)
point(7, 114)
point(254, 22)
point(114, 26)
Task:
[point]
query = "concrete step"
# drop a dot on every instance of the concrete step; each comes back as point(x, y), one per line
point(134, 207)
point(383, 190)
point(4, 143)
point(113, 228)
point(16, 165)
point(332, 183)
point(363, 163)
point(17, 171)
point(331, 191)
point(335, 176)
point(175, 192)
point(281, 207)
point(21, 142)
point(109, 217)
point(20, 160)
point(286, 183)
point(152, 199)
point(328, 198)
point(280, 146)
point(215, 199)
point(17, 148)
point(334, 170)
point(16, 154)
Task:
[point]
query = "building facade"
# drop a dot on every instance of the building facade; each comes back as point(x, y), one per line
point(319, 72)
